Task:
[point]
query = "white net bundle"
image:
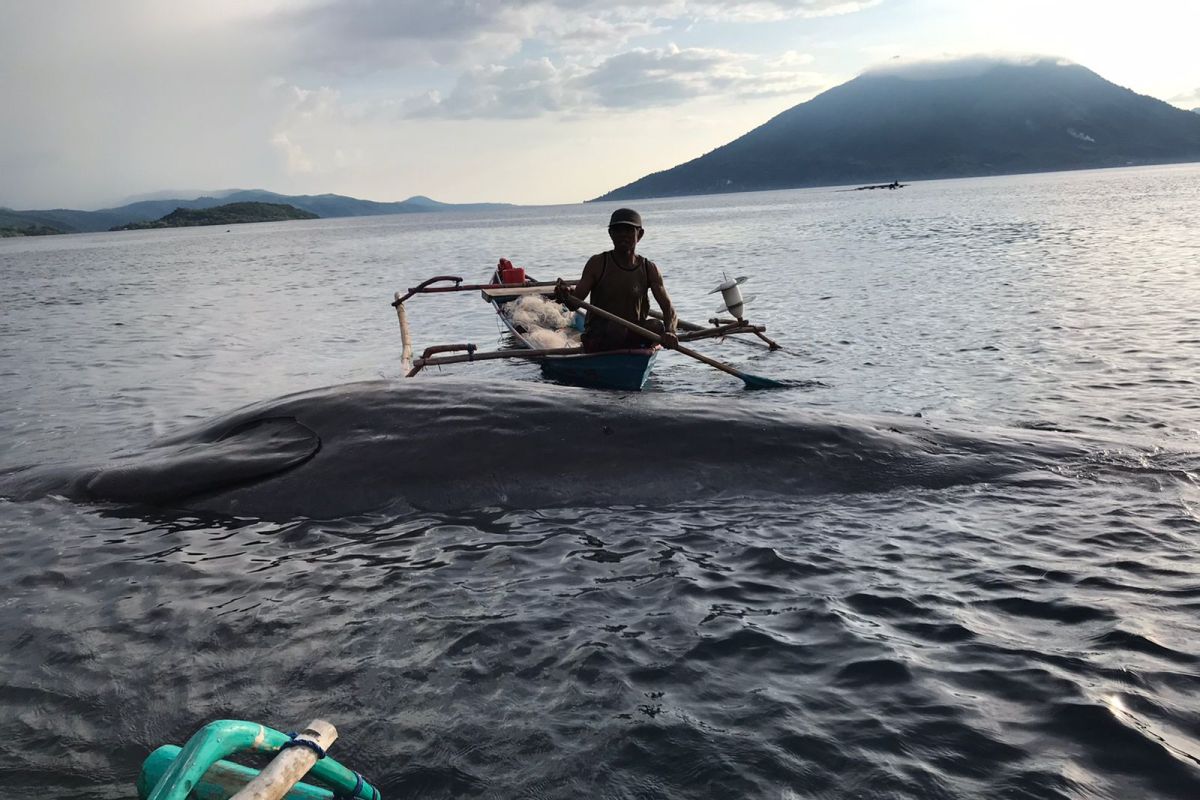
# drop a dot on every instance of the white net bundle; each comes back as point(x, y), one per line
point(544, 339)
point(532, 312)
point(546, 323)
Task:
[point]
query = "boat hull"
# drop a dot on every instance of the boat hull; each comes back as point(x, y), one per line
point(623, 369)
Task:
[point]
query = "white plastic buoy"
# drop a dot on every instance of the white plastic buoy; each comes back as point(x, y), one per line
point(731, 293)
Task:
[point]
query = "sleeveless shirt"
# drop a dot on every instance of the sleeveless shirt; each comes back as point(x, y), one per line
point(622, 291)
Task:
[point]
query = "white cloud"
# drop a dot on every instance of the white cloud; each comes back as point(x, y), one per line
point(1187, 99)
point(312, 103)
point(315, 129)
point(954, 66)
point(791, 58)
point(298, 163)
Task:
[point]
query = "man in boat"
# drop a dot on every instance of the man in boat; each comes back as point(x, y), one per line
point(618, 281)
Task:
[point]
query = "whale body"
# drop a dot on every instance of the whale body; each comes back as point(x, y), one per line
point(446, 444)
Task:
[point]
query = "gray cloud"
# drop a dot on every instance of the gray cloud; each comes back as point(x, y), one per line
point(528, 90)
point(366, 20)
point(771, 10)
point(352, 34)
point(383, 33)
point(641, 78)
point(102, 100)
point(636, 79)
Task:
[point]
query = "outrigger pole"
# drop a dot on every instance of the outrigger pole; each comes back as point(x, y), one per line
point(426, 287)
point(428, 359)
point(751, 381)
point(725, 327)
point(721, 328)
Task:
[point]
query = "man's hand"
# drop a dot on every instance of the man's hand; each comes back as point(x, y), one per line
point(669, 340)
point(561, 291)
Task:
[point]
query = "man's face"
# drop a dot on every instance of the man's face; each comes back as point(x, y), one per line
point(624, 237)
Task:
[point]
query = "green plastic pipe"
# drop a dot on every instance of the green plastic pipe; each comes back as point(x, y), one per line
point(222, 780)
point(220, 739)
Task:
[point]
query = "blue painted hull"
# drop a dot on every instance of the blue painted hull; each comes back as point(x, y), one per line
point(619, 369)
point(627, 370)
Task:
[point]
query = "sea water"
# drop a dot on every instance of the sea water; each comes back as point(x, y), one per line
point(1023, 638)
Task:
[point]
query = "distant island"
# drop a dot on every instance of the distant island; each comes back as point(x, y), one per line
point(956, 119)
point(7, 231)
point(228, 214)
point(66, 220)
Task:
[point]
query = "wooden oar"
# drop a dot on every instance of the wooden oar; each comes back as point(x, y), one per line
point(751, 381)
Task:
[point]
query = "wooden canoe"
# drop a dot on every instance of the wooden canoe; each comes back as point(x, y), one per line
point(612, 369)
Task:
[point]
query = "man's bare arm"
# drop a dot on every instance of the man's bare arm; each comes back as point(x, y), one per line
point(659, 290)
point(585, 284)
point(591, 272)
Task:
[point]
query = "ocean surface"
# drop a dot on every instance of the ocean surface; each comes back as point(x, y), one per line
point(959, 557)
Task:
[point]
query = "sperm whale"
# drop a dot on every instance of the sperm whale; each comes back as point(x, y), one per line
point(449, 444)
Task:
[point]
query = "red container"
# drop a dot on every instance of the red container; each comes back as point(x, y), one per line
point(512, 275)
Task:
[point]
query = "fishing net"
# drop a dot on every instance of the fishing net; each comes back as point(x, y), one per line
point(546, 323)
point(532, 312)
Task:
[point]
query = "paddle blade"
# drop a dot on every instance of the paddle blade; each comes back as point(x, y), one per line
point(756, 382)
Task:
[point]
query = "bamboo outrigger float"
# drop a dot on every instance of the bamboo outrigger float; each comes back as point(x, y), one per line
point(626, 369)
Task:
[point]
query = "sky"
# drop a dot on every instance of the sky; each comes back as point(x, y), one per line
point(521, 101)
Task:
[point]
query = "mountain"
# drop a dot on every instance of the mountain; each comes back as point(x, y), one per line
point(323, 205)
point(169, 193)
point(336, 205)
point(955, 119)
point(14, 221)
point(23, 228)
